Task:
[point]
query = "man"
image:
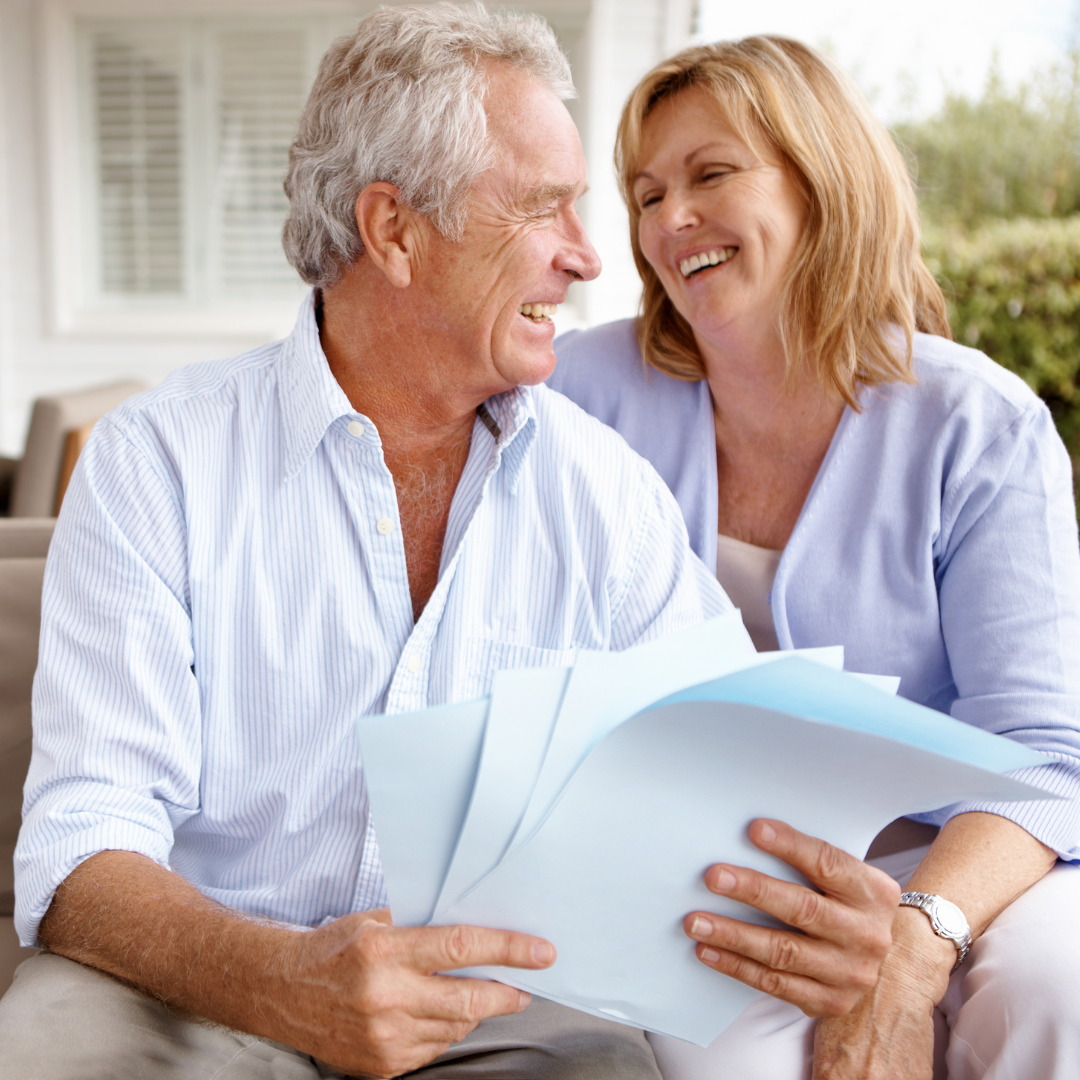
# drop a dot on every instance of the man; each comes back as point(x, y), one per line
point(373, 515)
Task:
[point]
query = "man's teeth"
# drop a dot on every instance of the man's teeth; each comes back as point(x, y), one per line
point(539, 312)
point(706, 258)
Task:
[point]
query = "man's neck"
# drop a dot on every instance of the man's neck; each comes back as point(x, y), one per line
point(397, 378)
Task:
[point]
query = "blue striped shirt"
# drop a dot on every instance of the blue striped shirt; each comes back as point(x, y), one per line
point(226, 592)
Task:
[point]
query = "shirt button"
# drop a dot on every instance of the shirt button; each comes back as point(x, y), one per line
point(356, 428)
point(414, 664)
point(384, 525)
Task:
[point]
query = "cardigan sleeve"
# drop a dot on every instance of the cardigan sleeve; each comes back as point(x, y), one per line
point(1008, 568)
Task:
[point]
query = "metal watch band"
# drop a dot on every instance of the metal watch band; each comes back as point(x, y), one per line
point(934, 907)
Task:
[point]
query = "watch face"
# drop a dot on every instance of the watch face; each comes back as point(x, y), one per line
point(950, 918)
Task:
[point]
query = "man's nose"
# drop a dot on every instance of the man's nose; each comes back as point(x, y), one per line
point(580, 259)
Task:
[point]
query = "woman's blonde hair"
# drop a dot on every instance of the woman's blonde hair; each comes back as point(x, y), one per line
point(857, 274)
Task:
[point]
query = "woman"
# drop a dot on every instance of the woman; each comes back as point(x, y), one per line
point(857, 478)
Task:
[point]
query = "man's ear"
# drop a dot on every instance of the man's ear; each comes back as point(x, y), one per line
point(389, 230)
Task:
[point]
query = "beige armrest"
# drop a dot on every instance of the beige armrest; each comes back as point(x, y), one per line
point(73, 444)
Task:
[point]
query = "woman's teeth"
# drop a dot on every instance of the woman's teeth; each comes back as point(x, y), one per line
point(539, 312)
point(706, 258)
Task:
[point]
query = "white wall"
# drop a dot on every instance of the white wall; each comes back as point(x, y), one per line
point(623, 40)
point(611, 45)
point(36, 357)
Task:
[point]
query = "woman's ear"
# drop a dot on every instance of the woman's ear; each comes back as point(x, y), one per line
point(388, 229)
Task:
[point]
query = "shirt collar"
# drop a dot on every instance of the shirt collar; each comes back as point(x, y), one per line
point(312, 399)
point(513, 415)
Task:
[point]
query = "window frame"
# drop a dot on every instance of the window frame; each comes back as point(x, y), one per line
point(71, 241)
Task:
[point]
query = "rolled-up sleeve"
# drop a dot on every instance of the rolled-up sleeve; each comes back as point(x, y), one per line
point(1009, 587)
point(117, 735)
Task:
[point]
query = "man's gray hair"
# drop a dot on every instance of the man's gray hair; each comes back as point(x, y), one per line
point(402, 101)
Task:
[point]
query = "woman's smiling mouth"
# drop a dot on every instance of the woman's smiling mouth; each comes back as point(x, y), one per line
point(691, 266)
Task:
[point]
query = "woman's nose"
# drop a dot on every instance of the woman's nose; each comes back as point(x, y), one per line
point(676, 213)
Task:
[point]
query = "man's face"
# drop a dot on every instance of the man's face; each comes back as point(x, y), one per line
point(523, 244)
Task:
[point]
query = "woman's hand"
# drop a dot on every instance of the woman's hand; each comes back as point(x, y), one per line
point(889, 1035)
point(839, 937)
point(981, 862)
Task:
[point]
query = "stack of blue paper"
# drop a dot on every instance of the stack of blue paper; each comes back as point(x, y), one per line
point(584, 804)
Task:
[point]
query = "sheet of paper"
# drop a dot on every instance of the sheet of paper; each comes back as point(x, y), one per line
point(524, 707)
point(618, 862)
point(890, 684)
point(419, 769)
point(606, 688)
point(794, 686)
point(524, 704)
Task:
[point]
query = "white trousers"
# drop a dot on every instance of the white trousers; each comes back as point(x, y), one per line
point(1012, 1012)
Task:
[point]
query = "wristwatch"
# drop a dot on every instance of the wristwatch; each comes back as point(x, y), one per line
point(946, 920)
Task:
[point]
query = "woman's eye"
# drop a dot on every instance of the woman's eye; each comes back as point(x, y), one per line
point(649, 199)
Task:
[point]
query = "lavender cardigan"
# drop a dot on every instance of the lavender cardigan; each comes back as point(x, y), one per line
point(938, 542)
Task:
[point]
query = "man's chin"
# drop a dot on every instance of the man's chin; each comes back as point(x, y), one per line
point(528, 366)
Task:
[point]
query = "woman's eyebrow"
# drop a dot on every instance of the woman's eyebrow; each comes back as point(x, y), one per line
point(689, 159)
point(720, 144)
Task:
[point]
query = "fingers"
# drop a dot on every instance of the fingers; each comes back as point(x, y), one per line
point(833, 871)
point(447, 948)
point(841, 934)
point(841, 975)
point(468, 1001)
point(855, 894)
point(378, 915)
point(813, 997)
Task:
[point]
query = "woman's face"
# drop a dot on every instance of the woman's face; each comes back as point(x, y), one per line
point(719, 222)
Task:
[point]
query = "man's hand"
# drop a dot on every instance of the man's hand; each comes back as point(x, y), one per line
point(359, 993)
point(369, 1001)
point(840, 935)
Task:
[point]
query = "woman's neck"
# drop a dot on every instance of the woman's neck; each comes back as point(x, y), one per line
point(772, 434)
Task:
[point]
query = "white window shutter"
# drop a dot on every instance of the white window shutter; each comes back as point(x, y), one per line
point(186, 130)
point(262, 82)
point(137, 94)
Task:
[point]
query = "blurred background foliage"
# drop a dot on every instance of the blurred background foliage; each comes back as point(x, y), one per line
point(999, 187)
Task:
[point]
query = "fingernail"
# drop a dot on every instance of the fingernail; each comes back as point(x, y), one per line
point(523, 1000)
point(725, 881)
point(701, 928)
point(543, 953)
point(768, 834)
point(710, 956)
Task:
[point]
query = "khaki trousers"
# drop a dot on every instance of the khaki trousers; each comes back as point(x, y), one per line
point(63, 1021)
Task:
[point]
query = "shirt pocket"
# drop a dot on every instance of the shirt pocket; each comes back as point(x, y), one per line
point(485, 656)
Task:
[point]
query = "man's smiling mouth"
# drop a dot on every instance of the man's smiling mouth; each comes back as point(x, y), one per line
point(539, 312)
point(689, 267)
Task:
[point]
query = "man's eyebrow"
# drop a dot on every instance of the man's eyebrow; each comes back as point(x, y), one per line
point(546, 194)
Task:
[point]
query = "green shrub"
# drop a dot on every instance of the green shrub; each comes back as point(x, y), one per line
point(1014, 291)
point(1014, 152)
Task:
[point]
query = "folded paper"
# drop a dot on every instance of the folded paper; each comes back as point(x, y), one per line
point(584, 804)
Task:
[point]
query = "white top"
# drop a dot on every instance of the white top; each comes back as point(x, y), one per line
point(746, 572)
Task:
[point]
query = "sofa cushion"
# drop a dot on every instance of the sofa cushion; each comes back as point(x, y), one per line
point(20, 621)
point(25, 538)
